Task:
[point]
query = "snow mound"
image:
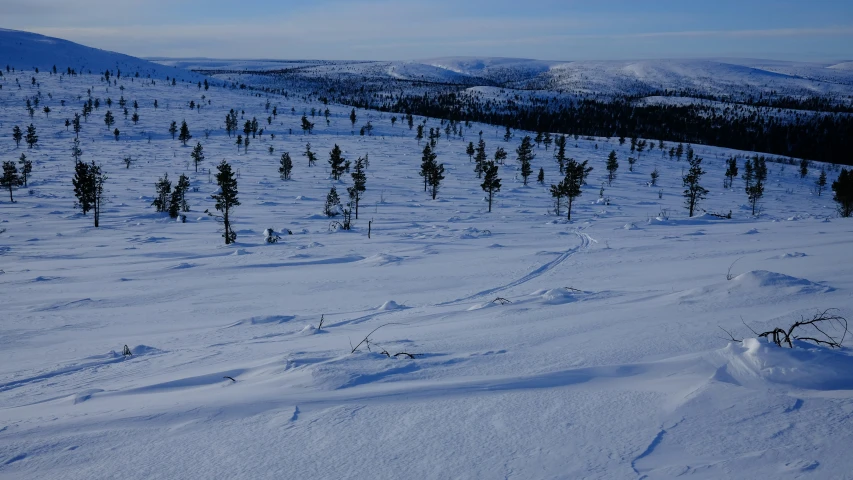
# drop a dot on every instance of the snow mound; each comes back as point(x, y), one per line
point(264, 319)
point(555, 296)
point(391, 305)
point(756, 279)
point(791, 255)
point(381, 259)
point(308, 330)
point(756, 362)
point(239, 252)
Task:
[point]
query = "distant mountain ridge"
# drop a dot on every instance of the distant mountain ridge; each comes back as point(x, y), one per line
point(26, 51)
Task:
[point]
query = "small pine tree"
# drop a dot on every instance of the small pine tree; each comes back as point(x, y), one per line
point(731, 172)
point(420, 134)
point(239, 142)
point(116, 133)
point(164, 190)
point(307, 126)
point(821, 182)
point(285, 166)
point(491, 183)
point(631, 162)
point(82, 190)
point(109, 119)
point(178, 201)
point(353, 118)
point(436, 175)
point(427, 164)
point(173, 129)
point(312, 157)
point(754, 192)
point(470, 151)
point(843, 189)
point(359, 184)
point(226, 199)
point(576, 173)
point(804, 168)
point(333, 203)
point(541, 177)
point(500, 155)
point(612, 165)
point(547, 140)
point(748, 174)
point(480, 159)
point(560, 153)
point(557, 195)
point(655, 175)
point(197, 155)
point(26, 168)
point(694, 192)
point(17, 135)
point(507, 134)
point(10, 179)
point(184, 136)
point(135, 118)
point(32, 138)
point(75, 151)
point(337, 163)
point(525, 156)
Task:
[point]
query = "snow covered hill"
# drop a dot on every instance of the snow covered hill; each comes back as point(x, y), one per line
point(706, 76)
point(542, 348)
point(27, 51)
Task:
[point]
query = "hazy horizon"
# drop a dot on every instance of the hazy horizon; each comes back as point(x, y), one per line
point(383, 30)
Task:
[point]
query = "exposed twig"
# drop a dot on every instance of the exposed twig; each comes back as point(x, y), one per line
point(366, 339)
point(126, 352)
point(729, 275)
point(410, 355)
point(501, 301)
point(320, 327)
point(571, 289)
point(230, 378)
point(780, 336)
point(731, 337)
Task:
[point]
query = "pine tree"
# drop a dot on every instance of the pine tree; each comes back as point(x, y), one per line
point(480, 159)
point(612, 165)
point(804, 168)
point(754, 193)
point(436, 175)
point(693, 192)
point(560, 153)
point(76, 125)
point(226, 199)
point(760, 166)
point(538, 138)
point(164, 190)
point(655, 175)
point(26, 168)
point(427, 164)
point(500, 155)
point(178, 201)
point(17, 135)
point(197, 155)
point(307, 126)
point(32, 139)
point(491, 183)
point(239, 142)
point(731, 172)
point(821, 182)
point(631, 162)
point(135, 118)
point(547, 140)
point(312, 157)
point(285, 166)
point(109, 119)
point(10, 179)
point(333, 203)
point(173, 129)
point(748, 174)
point(353, 118)
point(96, 187)
point(359, 184)
point(525, 156)
point(470, 151)
point(557, 195)
point(116, 133)
point(507, 134)
point(75, 150)
point(420, 134)
point(679, 151)
point(337, 163)
point(541, 177)
point(843, 189)
point(82, 187)
point(184, 136)
point(576, 173)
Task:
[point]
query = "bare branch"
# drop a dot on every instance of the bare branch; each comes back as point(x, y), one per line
point(367, 337)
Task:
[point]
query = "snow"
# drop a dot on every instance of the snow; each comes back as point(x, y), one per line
point(606, 360)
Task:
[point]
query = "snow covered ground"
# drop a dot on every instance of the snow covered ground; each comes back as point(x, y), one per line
point(608, 363)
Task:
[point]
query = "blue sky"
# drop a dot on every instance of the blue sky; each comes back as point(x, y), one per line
point(402, 29)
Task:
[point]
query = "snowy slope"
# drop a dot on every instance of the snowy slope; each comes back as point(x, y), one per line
point(26, 51)
point(607, 363)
